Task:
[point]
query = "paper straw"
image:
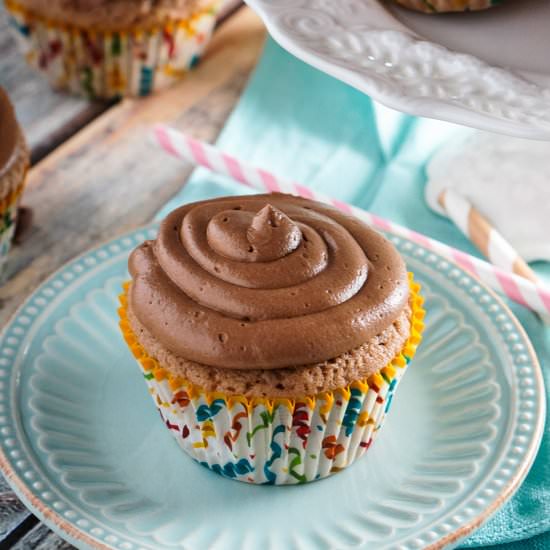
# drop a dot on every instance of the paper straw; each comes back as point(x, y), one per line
point(486, 237)
point(533, 296)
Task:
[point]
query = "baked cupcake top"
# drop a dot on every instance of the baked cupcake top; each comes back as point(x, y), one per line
point(105, 15)
point(9, 133)
point(265, 281)
point(442, 6)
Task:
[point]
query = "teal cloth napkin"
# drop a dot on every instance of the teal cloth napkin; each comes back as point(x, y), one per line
point(309, 127)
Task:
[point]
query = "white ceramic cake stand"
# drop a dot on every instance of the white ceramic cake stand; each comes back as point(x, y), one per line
point(488, 70)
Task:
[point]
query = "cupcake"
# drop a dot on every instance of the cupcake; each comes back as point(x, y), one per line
point(14, 162)
point(272, 332)
point(111, 48)
point(439, 6)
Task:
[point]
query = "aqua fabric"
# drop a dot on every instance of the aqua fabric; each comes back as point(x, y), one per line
point(539, 542)
point(307, 126)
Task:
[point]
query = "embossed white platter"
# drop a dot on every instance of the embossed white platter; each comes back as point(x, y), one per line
point(488, 70)
point(83, 447)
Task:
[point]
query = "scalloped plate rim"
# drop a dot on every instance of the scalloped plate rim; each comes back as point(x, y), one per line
point(76, 536)
point(428, 107)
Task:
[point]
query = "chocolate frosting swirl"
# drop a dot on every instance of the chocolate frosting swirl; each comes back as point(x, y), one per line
point(265, 281)
point(9, 132)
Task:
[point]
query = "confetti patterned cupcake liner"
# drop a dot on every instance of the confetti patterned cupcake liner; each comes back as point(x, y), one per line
point(437, 6)
point(12, 182)
point(8, 217)
point(275, 441)
point(96, 64)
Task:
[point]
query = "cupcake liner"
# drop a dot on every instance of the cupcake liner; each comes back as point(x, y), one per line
point(8, 217)
point(12, 182)
point(435, 6)
point(275, 441)
point(99, 64)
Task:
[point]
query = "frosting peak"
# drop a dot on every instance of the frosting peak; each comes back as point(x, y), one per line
point(246, 236)
point(273, 234)
point(265, 281)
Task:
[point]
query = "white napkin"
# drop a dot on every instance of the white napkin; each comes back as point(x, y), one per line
point(506, 179)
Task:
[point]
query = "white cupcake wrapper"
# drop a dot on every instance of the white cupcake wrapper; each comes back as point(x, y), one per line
point(286, 443)
point(8, 218)
point(9, 203)
point(105, 65)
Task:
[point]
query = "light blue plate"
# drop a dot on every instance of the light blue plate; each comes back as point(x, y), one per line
point(82, 445)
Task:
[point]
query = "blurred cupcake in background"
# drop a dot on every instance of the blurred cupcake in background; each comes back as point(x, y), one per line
point(112, 48)
point(14, 162)
point(272, 332)
point(440, 6)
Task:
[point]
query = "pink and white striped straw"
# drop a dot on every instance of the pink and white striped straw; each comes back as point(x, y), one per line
point(533, 296)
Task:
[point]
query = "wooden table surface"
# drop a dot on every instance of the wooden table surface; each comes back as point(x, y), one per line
point(95, 175)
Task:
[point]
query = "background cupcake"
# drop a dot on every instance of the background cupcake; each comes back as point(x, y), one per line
point(14, 162)
point(109, 48)
point(436, 6)
point(272, 332)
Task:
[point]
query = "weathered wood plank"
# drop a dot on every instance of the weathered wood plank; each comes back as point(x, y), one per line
point(41, 538)
point(12, 511)
point(108, 178)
